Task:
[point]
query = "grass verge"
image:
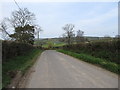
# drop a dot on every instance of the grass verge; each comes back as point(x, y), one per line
point(19, 63)
point(111, 66)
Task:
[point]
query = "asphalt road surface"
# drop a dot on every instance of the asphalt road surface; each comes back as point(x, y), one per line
point(57, 70)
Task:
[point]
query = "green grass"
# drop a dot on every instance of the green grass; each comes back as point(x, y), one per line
point(111, 66)
point(59, 44)
point(45, 46)
point(53, 45)
point(19, 63)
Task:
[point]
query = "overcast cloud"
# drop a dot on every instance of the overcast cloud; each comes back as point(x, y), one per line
point(94, 18)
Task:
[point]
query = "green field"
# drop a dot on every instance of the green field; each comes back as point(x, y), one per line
point(51, 42)
point(56, 42)
point(53, 45)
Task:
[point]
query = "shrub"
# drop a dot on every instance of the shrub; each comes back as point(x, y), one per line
point(108, 50)
point(11, 49)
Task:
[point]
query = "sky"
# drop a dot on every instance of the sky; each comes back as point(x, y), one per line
point(94, 18)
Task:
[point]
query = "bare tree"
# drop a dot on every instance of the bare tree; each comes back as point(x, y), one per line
point(3, 30)
point(21, 18)
point(80, 33)
point(69, 33)
point(25, 29)
point(79, 37)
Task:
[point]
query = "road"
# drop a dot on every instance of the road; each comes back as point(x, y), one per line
point(57, 70)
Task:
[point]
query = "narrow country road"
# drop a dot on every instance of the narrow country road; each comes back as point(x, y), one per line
point(57, 70)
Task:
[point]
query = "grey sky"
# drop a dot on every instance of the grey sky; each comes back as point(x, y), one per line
point(94, 18)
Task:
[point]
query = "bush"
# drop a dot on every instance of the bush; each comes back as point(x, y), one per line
point(108, 50)
point(11, 49)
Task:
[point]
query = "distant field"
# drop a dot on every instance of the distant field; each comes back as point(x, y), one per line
point(55, 42)
point(103, 40)
point(50, 42)
point(53, 45)
point(59, 44)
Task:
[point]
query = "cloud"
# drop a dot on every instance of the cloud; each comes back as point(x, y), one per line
point(99, 25)
point(101, 18)
point(105, 23)
point(1, 13)
point(93, 18)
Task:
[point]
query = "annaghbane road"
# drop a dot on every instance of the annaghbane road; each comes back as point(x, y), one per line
point(57, 70)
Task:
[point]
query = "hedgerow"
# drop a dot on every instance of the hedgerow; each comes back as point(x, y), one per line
point(11, 49)
point(108, 50)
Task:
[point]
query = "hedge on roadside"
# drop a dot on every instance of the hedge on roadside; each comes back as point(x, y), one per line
point(108, 50)
point(11, 49)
